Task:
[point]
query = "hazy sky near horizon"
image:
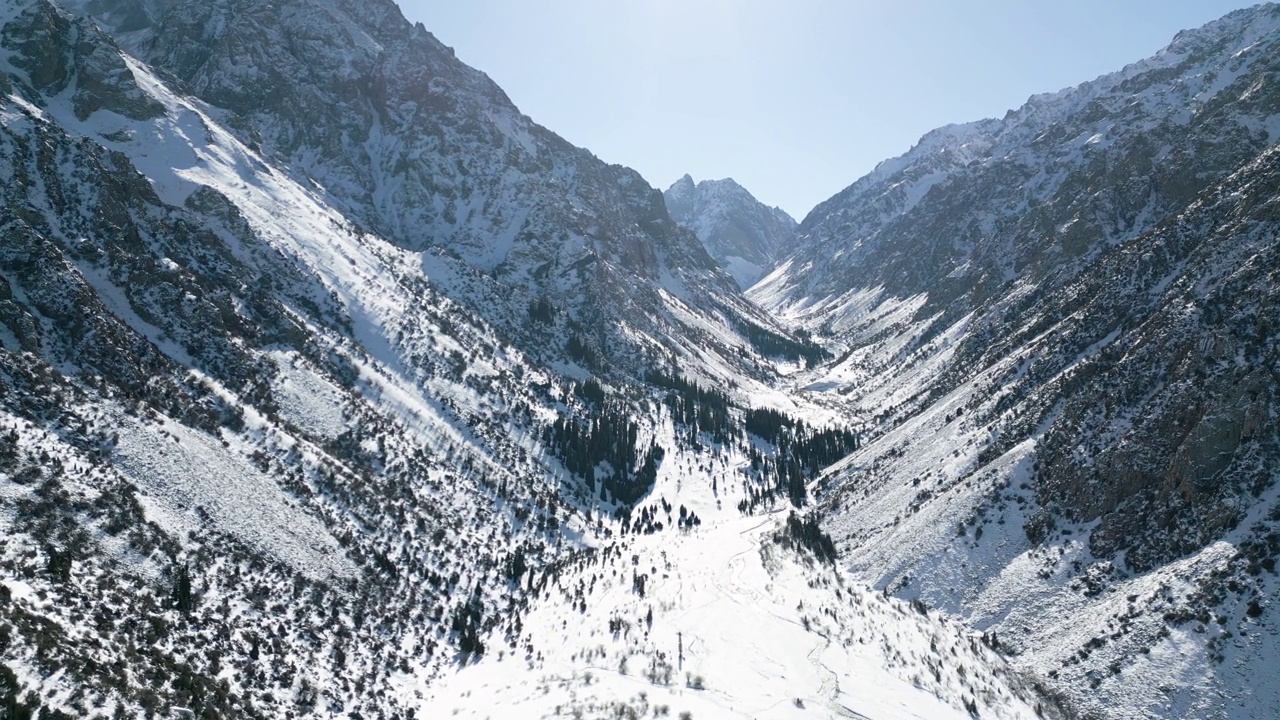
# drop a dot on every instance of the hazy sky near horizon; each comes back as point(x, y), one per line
point(795, 100)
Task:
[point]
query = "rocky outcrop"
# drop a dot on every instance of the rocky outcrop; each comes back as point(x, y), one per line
point(57, 50)
point(743, 234)
point(385, 122)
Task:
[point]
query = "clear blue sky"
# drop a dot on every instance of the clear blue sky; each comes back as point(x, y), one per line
point(795, 99)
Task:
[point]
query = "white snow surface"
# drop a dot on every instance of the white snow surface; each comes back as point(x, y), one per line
point(307, 399)
point(764, 633)
point(189, 480)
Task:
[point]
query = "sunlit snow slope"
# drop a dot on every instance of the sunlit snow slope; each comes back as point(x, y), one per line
point(725, 620)
point(1061, 329)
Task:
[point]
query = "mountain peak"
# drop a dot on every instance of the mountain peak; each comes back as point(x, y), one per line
point(681, 192)
point(743, 234)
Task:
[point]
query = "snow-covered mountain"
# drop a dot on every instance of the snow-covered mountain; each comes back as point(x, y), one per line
point(1061, 328)
point(332, 386)
point(743, 234)
point(380, 119)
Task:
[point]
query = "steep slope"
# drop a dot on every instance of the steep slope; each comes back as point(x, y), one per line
point(743, 234)
point(1060, 326)
point(1102, 491)
point(242, 445)
point(411, 144)
point(259, 461)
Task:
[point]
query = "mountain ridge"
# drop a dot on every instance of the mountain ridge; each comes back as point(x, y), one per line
point(418, 147)
point(1029, 315)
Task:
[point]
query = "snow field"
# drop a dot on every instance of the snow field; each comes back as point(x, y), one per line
point(741, 628)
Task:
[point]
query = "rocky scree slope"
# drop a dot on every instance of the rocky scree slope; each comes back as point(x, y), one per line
point(743, 234)
point(1061, 325)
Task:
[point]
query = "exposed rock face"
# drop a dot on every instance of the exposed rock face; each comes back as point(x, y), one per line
point(92, 63)
point(743, 234)
point(423, 150)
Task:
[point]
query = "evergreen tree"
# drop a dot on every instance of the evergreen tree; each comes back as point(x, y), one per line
point(183, 599)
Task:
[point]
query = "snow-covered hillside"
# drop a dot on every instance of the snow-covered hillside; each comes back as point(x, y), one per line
point(1060, 327)
point(220, 398)
point(379, 119)
point(727, 618)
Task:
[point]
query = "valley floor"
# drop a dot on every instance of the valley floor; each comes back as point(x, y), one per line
point(741, 627)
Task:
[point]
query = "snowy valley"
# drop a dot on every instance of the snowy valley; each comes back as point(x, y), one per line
point(331, 385)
